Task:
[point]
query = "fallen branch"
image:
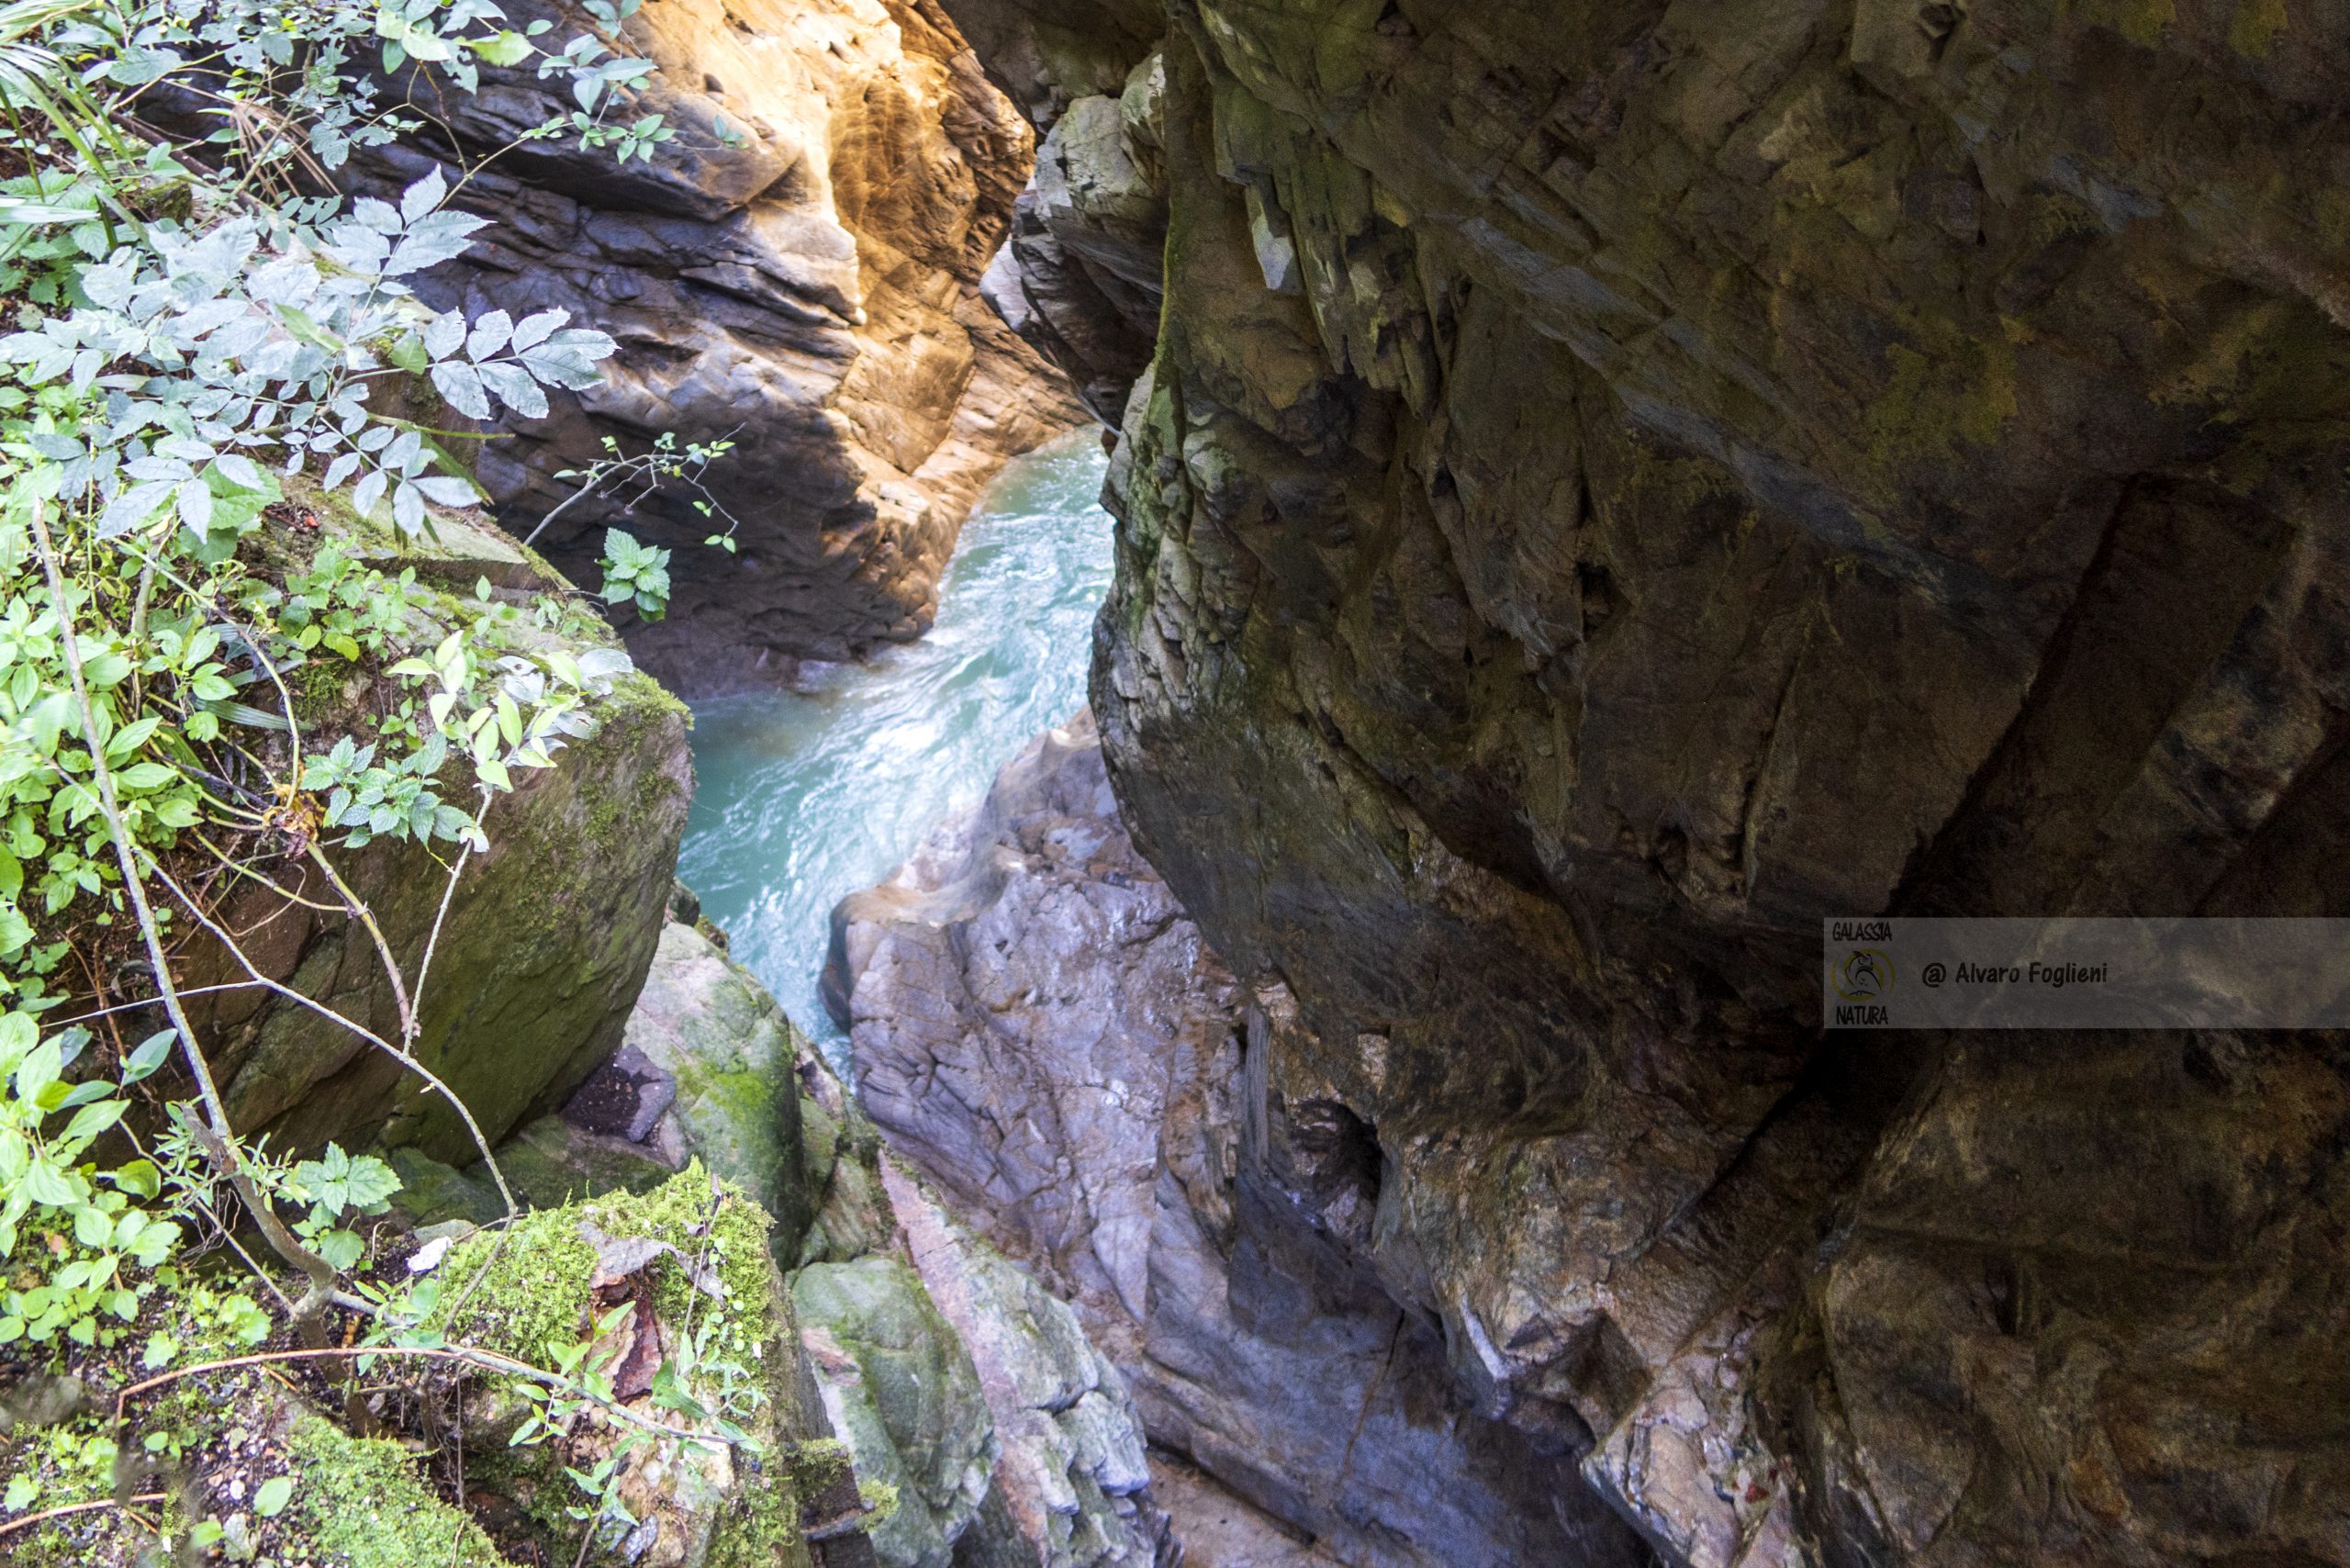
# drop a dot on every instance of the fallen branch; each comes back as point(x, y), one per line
point(487, 1361)
point(64, 1508)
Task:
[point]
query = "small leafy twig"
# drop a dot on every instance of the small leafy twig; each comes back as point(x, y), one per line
point(665, 461)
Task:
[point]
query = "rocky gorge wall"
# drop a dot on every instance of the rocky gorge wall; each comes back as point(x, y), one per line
point(1614, 485)
point(1598, 491)
point(1037, 1025)
point(796, 270)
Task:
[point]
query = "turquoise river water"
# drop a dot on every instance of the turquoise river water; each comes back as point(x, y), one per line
point(808, 795)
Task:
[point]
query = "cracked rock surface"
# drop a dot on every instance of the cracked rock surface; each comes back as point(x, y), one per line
point(1037, 1025)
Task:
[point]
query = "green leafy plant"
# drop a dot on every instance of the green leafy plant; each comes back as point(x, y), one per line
point(333, 1186)
point(102, 1245)
point(635, 573)
point(202, 354)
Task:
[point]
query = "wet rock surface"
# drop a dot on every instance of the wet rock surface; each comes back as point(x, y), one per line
point(1023, 1440)
point(1014, 997)
point(797, 271)
point(1618, 485)
point(898, 1387)
point(1037, 1024)
point(983, 1427)
point(1072, 1485)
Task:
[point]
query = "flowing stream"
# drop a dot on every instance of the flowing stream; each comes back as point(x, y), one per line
point(808, 795)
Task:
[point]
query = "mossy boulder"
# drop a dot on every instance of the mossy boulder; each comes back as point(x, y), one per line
point(729, 1051)
point(359, 1502)
point(548, 936)
point(898, 1386)
point(354, 1501)
point(840, 1170)
point(705, 1071)
point(205, 1443)
point(550, 1163)
point(685, 1327)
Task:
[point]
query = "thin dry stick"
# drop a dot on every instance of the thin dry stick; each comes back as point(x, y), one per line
point(219, 1146)
point(357, 909)
point(487, 1361)
point(237, 868)
point(63, 1508)
point(424, 965)
point(300, 999)
point(134, 1006)
point(423, 970)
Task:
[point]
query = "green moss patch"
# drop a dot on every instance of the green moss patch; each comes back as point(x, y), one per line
point(361, 1501)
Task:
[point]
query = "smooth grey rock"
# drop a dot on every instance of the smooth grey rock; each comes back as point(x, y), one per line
point(1068, 1488)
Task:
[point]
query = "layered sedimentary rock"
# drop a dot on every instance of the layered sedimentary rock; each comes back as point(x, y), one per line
point(1618, 484)
point(1037, 1024)
point(795, 270)
point(1080, 277)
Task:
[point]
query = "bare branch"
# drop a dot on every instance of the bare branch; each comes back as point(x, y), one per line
point(218, 1139)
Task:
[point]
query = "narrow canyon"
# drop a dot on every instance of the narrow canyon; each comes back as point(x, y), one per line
point(1303, 1037)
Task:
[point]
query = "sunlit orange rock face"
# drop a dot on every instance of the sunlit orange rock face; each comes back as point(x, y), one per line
point(796, 269)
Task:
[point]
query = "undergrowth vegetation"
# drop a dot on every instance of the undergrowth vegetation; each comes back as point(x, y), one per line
point(206, 347)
